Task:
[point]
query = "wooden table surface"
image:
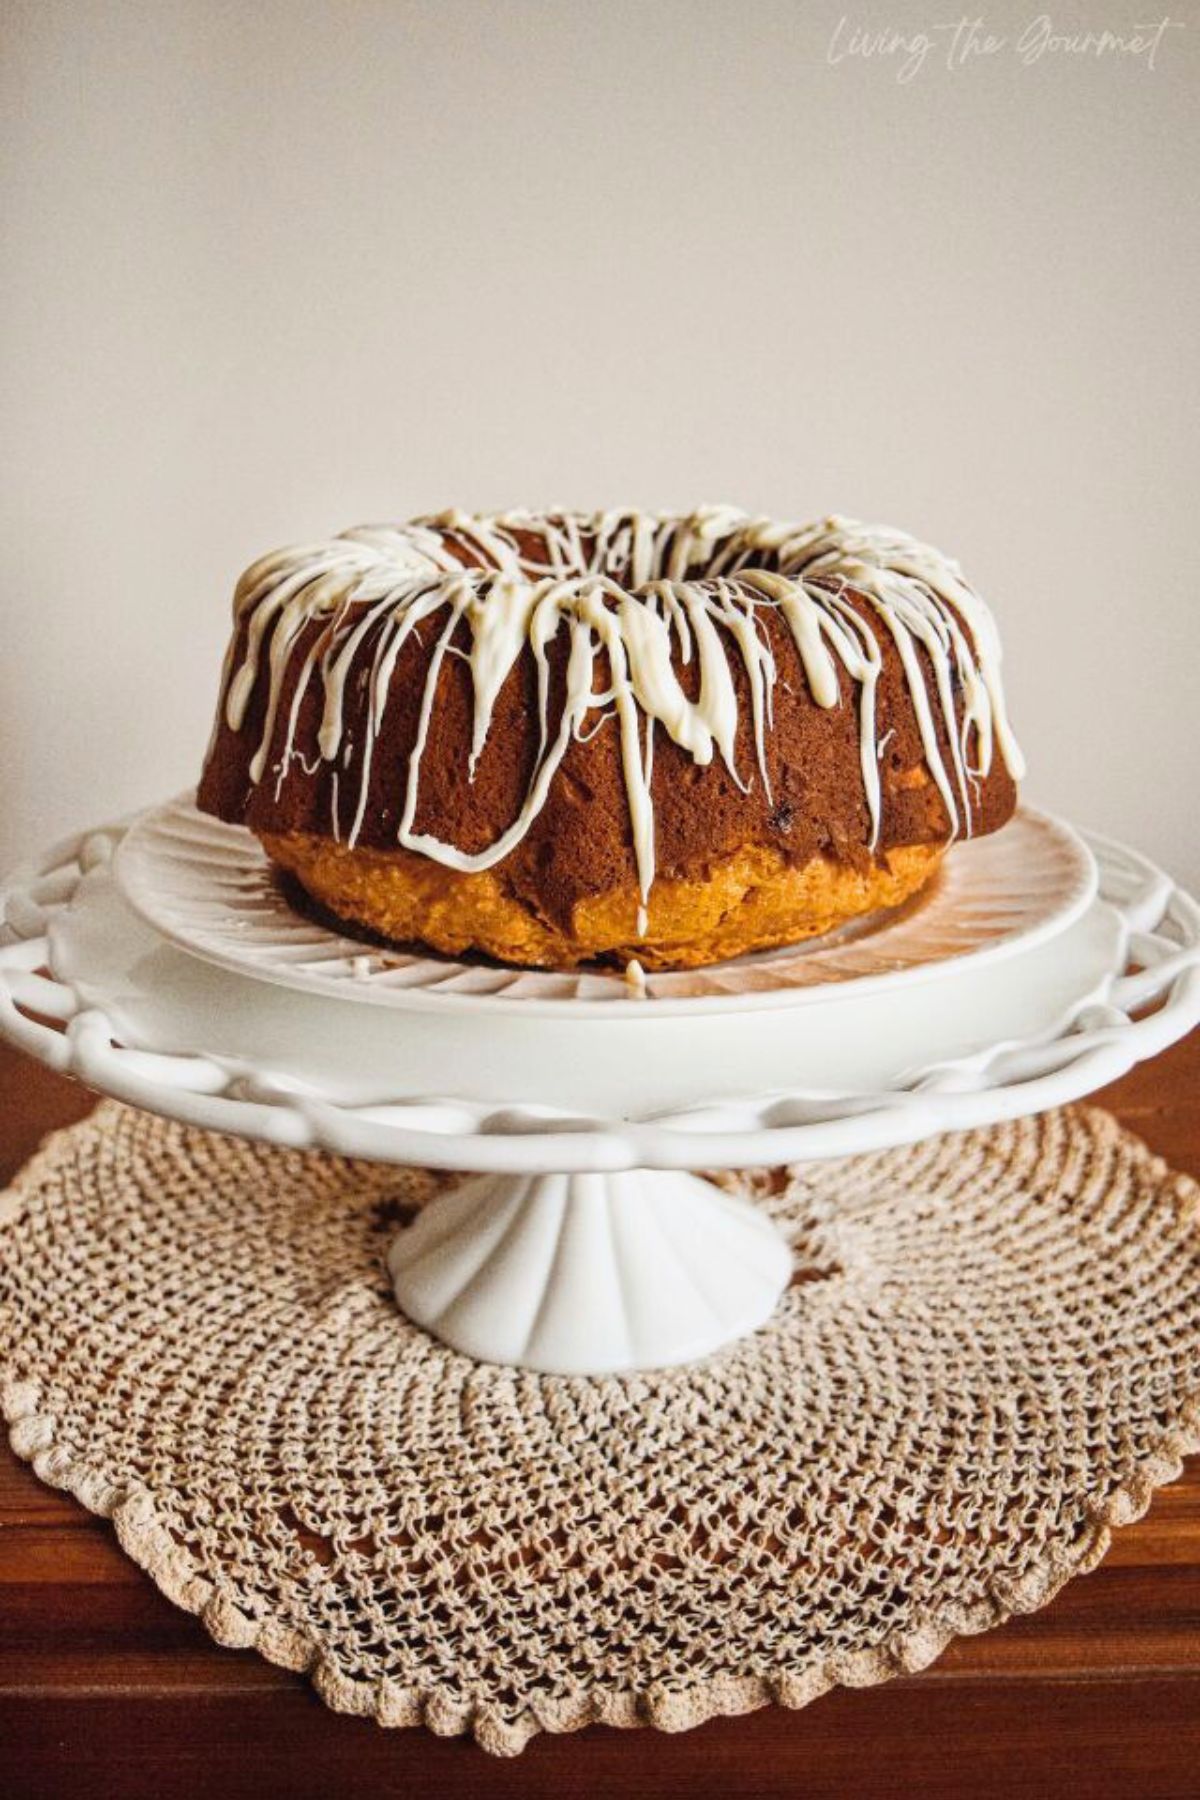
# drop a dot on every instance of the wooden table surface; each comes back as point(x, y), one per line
point(106, 1689)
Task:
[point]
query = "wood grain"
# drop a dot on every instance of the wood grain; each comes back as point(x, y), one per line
point(106, 1688)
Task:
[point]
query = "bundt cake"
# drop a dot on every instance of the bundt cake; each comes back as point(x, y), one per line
point(557, 737)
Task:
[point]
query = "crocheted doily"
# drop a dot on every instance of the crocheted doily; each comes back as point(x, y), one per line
point(991, 1356)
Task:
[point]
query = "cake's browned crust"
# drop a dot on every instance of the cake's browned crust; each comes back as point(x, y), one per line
point(751, 899)
point(791, 864)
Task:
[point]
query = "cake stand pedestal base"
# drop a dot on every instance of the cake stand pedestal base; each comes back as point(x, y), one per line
point(589, 1274)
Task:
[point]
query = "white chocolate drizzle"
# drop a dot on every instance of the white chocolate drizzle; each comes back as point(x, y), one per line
point(691, 586)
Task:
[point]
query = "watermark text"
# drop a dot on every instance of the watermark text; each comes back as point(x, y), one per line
point(954, 44)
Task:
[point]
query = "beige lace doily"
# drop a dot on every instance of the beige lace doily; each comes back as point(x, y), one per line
point(992, 1357)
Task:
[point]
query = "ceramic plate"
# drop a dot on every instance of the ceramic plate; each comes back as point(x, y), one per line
point(209, 888)
point(472, 1082)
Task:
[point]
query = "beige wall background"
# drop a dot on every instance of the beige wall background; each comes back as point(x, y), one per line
point(278, 268)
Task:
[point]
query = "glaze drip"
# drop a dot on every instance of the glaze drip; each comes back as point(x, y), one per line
point(648, 593)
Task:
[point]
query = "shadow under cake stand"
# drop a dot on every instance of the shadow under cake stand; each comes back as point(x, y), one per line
point(159, 962)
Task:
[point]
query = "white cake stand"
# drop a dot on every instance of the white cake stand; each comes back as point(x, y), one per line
point(1045, 966)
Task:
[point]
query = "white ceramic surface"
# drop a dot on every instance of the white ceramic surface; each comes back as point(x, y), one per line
point(208, 888)
point(542, 1092)
point(588, 1274)
point(472, 1085)
point(567, 1059)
